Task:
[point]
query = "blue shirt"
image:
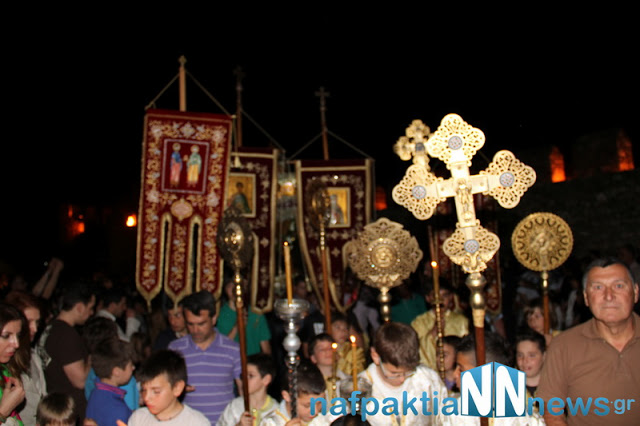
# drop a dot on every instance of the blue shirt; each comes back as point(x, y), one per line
point(107, 405)
point(131, 398)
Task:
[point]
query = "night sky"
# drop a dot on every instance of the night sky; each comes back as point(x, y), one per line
point(78, 92)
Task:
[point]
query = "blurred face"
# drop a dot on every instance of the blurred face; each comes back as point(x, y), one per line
point(176, 320)
point(449, 357)
point(123, 375)
point(339, 331)
point(464, 361)
point(529, 358)
point(322, 353)
point(9, 340)
point(610, 294)
point(33, 318)
point(200, 326)
point(303, 405)
point(86, 310)
point(535, 320)
point(160, 397)
point(120, 307)
point(255, 380)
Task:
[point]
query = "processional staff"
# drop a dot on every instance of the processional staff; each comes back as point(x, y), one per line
point(182, 84)
point(322, 94)
point(506, 179)
point(235, 241)
point(319, 207)
point(433, 250)
point(542, 242)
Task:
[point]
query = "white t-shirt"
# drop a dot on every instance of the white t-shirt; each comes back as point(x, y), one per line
point(188, 416)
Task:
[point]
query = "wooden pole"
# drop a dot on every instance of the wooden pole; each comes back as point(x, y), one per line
point(183, 84)
point(242, 337)
point(239, 75)
point(322, 94)
point(433, 249)
point(325, 280)
point(545, 302)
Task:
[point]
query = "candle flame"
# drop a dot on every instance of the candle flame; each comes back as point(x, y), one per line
point(434, 264)
point(352, 338)
point(334, 345)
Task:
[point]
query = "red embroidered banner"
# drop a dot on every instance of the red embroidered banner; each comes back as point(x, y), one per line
point(184, 172)
point(350, 188)
point(252, 190)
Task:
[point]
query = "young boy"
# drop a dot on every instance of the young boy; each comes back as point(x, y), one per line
point(396, 369)
point(112, 363)
point(321, 353)
point(310, 384)
point(56, 409)
point(449, 344)
point(260, 373)
point(340, 331)
point(163, 378)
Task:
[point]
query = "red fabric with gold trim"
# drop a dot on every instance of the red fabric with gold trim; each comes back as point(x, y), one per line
point(252, 189)
point(184, 173)
point(349, 183)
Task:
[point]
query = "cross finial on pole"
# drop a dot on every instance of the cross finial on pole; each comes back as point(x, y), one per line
point(471, 246)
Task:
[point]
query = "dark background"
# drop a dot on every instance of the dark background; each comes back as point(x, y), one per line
point(77, 88)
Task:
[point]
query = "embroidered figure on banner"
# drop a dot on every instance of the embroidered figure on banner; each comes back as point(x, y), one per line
point(194, 166)
point(176, 166)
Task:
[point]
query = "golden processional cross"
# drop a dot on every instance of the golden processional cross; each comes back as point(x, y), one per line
point(471, 246)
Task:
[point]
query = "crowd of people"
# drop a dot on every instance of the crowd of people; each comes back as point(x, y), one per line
point(89, 351)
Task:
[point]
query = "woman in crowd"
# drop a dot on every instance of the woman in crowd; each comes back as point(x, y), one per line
point(12, 363)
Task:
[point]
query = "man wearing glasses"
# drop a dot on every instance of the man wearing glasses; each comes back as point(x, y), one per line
point(396, 373)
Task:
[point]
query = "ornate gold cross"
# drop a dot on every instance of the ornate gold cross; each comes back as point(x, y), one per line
point(506, 179)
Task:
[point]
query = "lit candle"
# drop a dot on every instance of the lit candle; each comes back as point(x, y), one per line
point(287, 271)
point(436, 279)
point(334, 360)
point(354, 371)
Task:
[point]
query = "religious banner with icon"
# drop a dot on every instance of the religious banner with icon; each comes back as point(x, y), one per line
point(185, 161)
point(252, 189)
point(350, 189)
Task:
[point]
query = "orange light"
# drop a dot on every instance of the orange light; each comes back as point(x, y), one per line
point(353, 339)
point(557, 165)
point(625, 153)
point(132, 220)
point(334, 345)
point(434, 264)
point(381, 199)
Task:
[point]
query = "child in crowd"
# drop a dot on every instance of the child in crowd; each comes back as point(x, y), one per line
point(321, 353)
point(341, 331)
point(396, 369)
point(530, 354)
point(310, 384)
point(111, 360)
point(496, 350)
point(56, 409)
point(534, 316)
point(260, 372)
point(449, 344)
point(163, 377)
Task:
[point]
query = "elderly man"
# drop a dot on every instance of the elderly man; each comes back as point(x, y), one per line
point(599, 358)
point(213, 360)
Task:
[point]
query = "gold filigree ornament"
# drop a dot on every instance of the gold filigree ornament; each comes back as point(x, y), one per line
point(542, 241)
point(508, 179)
point(413, 144)
point(471, 247)
point(318, 203)
point(383, 254)
point(417, 192)
point(455, 141)
point(235, 239)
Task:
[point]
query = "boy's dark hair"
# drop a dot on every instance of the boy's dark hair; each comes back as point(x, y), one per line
point(309, 379)
point(200, 301)
point(97, 329)
point(339, 316)
point(452, 340)
point(76, 292)
point(164, 361)
point(112, 295)
point(496, 348)
point(264, 363)
point(397, 344)
point(322, 337)
point(108, 354)
point(531, 336)
point(56, 409)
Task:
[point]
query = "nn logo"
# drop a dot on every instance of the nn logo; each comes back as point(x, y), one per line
point(493, 390)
